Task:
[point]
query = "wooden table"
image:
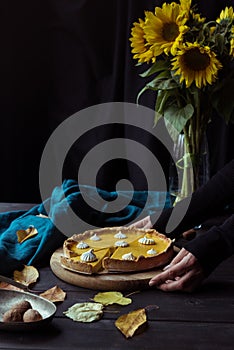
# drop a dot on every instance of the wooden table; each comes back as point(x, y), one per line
point(201, 320)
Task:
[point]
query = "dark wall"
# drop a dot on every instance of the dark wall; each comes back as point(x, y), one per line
point(59, 57)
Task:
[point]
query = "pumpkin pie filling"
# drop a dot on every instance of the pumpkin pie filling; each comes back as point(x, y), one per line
point(140, 249)
point(116, 249)
point(87, 267)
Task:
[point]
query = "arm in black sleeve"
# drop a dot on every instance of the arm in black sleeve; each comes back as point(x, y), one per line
point(209, 200)
point(214, 246)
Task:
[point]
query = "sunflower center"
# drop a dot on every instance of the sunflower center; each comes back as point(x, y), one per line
point(170, 31)
point(196, 60)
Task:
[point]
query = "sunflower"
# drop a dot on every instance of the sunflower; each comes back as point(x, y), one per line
point(140, 47)
point(197, 64)
point(164, 30)
point(185, 5)
point(197, 18)
point(226, 15)
point(232, 42)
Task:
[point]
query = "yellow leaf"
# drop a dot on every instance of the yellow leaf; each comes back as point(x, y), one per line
point(85, 312)
point(108, 298)
point(54, 294)
point(25, 234)
point(129, 323)
point(28, 275)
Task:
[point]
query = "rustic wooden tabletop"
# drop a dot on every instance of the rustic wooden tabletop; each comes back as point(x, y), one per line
point(200, 320)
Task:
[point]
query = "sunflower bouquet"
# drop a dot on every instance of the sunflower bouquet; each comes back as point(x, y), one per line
point(189, 66)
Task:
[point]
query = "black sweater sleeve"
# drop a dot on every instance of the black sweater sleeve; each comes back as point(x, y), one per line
point(209, 200)
point(217, 244)
point(214, 246)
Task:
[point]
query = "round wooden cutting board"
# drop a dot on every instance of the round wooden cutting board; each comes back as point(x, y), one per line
point(102, 281)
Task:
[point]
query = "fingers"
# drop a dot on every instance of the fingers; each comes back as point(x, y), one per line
point(169, 274)
point(184, 273)
point(182, 253)
point(144, 223)
point(187, 283)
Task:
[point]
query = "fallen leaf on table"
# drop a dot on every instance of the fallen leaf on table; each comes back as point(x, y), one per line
point(85, 312)
point(28, 275)
point(132, 322)
point(4, 285)
point(108, 298)
point(25, 234)
point(54, 294)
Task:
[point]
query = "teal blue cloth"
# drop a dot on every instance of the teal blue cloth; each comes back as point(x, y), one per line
point(37, 250)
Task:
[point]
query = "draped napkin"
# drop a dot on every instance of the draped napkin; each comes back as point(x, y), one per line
point(45, 218)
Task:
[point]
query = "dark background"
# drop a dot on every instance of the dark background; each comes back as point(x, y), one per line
point(59, 57)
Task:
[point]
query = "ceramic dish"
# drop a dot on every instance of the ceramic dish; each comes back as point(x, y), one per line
point(10, 297)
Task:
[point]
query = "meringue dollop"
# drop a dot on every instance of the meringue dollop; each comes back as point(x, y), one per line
point(128, 256)
point(88, 256)
point(95, 237)
point(147, 241)
point(121, 244)
point(120, 235)
point(151, 252)
point(82, 245)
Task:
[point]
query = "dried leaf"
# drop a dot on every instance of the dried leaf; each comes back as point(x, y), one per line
point(4, 285)
point(108, 298)
point(54, 294)
point(129, 323)
point(25, 234)
point(28, 275)
point(85, 312)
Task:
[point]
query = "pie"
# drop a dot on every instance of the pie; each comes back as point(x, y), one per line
point(116, 249)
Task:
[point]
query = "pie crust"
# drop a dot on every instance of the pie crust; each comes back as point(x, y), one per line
point(153, 250)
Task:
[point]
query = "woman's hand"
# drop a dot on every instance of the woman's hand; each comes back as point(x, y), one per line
point(143, 223)
point(183, 274)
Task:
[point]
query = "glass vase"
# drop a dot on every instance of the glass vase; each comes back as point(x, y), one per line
point(188, 172)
